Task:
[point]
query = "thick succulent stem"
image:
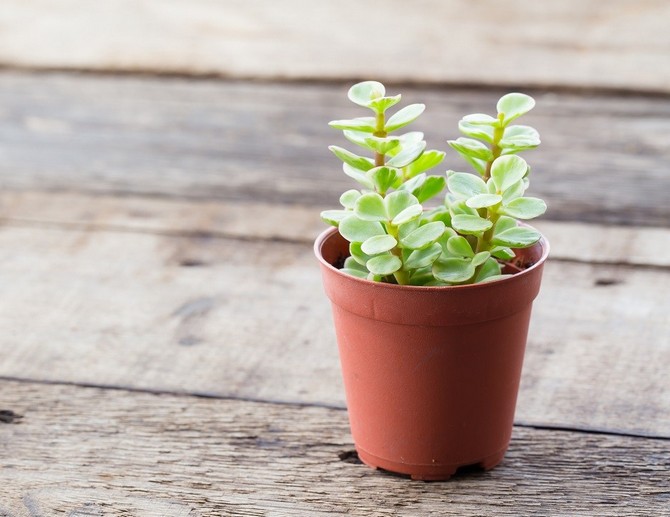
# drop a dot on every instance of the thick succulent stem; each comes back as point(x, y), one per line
point(484, 241)
point(380, 122)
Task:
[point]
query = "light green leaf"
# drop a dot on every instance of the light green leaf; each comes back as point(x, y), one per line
point(351, 263)
point(472, 148)
point(503, 253)
point(404, 116)
point(349, 198)
point(519, 138)
point(382, 145)
point(483, 200)
point(378, 244)
point(480, 131)
point(515, 191)
point(525, 208)
point(481, 119)
point(514, 105)
point(384, 178)
point(507, 170)
point(480, 258)
point(519, 237)
point(464, 185)
point(355, 272)
point(357, 230)
point(460, 247)
point(358, 175)
point(357, 253)
point(490, 269)
point(365, 92)
point(370, 207)
point(413, 183)
point(423, 258)
point(398, 201)
point(357, 137)
point(427, 160)
point(408, 214)
point(363, 124)
point(407, 155)
point(384, 264)
point(383, 103)
point(423, 236)
point(470, 224)
point(458, 207)
point(504, 223)
point(423, 276)
point(495, 278)
point(453, 270)
point(358, 162)
point(431, 187)
point(334, 217)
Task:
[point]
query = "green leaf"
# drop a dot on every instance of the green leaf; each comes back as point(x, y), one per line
point(460, 247)
point(351, 263)
point(410, 213)
point(427, 160)
point(519, 138)
point(406, 228)
point(525, 208)
point(422, 276)
point(407, 155)
point(480, 258)
point(515, 191)
point(431, 187)
point(358, 138)
point(355, 272)
point(357, 162)
point(504, 223)
point(423, 258)
point(384, 178)
point(464, 185)
point(365, 92)
point(507, 170)
point(357, 230)
point(358, 175)
point(404, 116)
point(458, 207)
point(503, 253)
point(472, 148)
point(378, 244)
point(423, 236)
point(519, 237)
point(357, 253)
point(481, 119)
point(483, 200)
point(480, 131)
point(334, 217)
point(370, 207)
point(398, 201)
point(349, 198)
point(453, 270)
point(470, 224)
point(514, 105)
point(382, 145)
point(384, 264)
point(363, 124)
point(383, 103)
point(490, 269)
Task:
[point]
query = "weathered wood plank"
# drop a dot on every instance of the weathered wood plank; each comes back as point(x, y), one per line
point(248, 319)
point(568, 43)
point(93, 452)
point(257, 220)
point(602, 159)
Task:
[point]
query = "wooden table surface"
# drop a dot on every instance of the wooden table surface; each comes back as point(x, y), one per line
point(167, 349)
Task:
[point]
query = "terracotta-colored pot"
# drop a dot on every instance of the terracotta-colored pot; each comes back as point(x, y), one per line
point(431, 374)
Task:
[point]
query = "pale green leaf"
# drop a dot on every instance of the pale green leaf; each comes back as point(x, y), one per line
point(355, 272)
point(507, 170)
point(352, 263)
point(363, 124)
point(519, 237)
point(382, 145)
point(459, 246)
point(357, 253)
point(408, 214)
point(504, 223)
point(370, 207)
point(384, 178)
point(424, 257)
point(490, 269)
point(495, 278)
point(404, 116)
point(384, 265)
point(398, 201)
point(480, 131)
point(427, 160)
point(483, 200)
point(357, 162)
point(431, 187)
point(472, 148)
point(480, 258)
point(464, 185)
point(470, 224)
point(349, 198)
point(381, 104)
point(525, 208)
point(515, 191)
point(378, 244)
point(453, 270)
point(423, 236)
point(357, 230)
point(514, 105)
point(365, 92)
point(358, 175)
point(519, 138)
point(334, 217)
point(407, 155)
point(503, 252)
point(481, 119)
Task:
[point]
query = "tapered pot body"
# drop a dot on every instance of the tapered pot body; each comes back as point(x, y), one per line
point(431, 373)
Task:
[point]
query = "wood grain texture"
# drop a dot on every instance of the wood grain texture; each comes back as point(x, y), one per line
point(203, 314)
point(568, 43)
point(602, 159)
point(90, 452)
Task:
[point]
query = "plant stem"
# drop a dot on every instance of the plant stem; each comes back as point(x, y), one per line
point(380, 122)
point(484, 241)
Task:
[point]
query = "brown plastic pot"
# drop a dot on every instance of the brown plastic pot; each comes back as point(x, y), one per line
point(431, 374)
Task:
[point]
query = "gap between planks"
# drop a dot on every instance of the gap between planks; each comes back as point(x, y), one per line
point(572, 241)
point(94, 452)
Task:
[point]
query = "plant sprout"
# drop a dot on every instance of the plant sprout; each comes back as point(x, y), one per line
point(393, 237)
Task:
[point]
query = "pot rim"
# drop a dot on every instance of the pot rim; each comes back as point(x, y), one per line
point(328, 232)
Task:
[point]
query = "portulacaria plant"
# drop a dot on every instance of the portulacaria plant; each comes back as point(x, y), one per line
point(467, 239)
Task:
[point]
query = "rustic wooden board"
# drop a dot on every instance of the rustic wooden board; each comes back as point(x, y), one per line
point(204, 314)
point(104, 452)
point(602, 159)
point(568, 43)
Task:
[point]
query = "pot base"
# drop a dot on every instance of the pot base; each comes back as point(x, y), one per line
point(428, 472)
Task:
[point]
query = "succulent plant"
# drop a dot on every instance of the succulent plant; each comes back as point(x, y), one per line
point(393, 237)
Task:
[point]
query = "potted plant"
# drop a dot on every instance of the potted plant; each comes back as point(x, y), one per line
point(431, 304)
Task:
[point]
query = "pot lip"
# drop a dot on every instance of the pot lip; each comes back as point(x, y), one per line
point(328, 232)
